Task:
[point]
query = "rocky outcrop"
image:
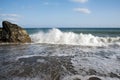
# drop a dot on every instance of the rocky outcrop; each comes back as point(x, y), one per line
point(13, 33)
point(0, 34)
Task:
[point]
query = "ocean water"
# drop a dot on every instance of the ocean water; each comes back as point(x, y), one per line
point(63, 54)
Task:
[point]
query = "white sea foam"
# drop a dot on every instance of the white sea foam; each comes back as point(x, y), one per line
point(41, 60)
point(99, 64)
point(74, 77)
point(55, 36)
point(79, 77)
point(26, 56)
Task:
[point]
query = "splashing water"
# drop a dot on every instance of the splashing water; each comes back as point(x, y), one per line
point(55, 36)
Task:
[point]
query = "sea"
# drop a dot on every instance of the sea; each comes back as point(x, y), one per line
point(63, 54)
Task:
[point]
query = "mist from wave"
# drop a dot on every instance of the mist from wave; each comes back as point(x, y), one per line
point(56, 36)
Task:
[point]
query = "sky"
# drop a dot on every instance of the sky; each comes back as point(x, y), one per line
point(61, 13)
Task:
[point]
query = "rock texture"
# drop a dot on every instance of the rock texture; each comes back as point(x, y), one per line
point(13, 33)
point(94, 78)
point(0, 34)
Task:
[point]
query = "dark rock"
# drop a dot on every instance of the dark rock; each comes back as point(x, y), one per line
point(114, 75)
point(76, 79)
point(92, 72)
point(13, 33)
point(94, 78)
point(49, 69)
point(0, 34)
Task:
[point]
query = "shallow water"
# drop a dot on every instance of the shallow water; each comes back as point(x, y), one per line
point(59, 62)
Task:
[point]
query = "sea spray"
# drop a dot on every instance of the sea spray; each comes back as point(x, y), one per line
point(55, 36)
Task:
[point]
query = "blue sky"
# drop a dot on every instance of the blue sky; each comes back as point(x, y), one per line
point(61, 13)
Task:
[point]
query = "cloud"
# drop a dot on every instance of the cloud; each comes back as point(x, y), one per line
point(82, 10)
point(10, 17)
point(80, 1)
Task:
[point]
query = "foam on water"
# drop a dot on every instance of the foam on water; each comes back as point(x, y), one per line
point(55, 36)
point(101, 65)
point(102, 61)
point(26, 56)
point(73, 77)
point(79, 77)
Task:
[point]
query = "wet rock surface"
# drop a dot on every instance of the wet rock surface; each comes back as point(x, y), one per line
point(0, 34)
point(47, 68)
point(94, 78)
point(13, 33)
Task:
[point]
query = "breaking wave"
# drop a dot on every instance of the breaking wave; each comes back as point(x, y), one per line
point(55, 36)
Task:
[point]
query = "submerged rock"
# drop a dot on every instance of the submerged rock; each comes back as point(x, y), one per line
point(13, 33)
point(94, 78)
point(76, 79)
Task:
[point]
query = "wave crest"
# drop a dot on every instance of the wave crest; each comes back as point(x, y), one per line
point(55, 36)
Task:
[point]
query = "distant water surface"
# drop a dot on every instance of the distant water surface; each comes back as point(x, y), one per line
point(94, 31)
